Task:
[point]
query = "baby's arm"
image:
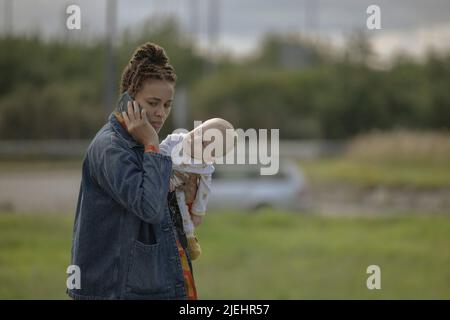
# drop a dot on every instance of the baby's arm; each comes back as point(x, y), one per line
point(201, 199)
point(167, 145)
point(188, 224)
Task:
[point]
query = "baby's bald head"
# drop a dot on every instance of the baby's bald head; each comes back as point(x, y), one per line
point(208, 132)
point(216, 123)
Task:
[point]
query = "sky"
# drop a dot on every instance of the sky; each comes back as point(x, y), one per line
point(411, 26)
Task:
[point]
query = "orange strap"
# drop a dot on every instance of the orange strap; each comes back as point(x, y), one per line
point(188, 278)
point(151, 148)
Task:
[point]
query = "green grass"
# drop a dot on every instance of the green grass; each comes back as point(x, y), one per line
point(378, 173)
point(34, 255)
point(270, 255)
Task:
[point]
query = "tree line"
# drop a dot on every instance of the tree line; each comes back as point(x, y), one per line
point(54, 89)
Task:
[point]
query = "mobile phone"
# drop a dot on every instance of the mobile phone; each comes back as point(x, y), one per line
point(123, 102)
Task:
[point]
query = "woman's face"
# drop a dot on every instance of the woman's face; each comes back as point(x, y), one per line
point(156, 97)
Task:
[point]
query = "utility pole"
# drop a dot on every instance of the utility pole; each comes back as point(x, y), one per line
point(194, 18)
point(213, 24)
point(311, 16)
point(110, 67)
point(8, 16)
point(180, 112)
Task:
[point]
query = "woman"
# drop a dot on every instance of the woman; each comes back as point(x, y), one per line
point(127, 243)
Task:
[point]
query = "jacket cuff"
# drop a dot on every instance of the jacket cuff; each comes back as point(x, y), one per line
point(151, 148)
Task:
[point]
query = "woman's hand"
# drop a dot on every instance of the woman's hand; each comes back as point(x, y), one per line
point(196, 220)
point(190, 185)
point(139, 127)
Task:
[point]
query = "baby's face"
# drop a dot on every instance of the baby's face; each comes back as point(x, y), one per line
point(195, 144)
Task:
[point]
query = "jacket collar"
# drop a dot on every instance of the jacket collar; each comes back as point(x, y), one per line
point(117, 127)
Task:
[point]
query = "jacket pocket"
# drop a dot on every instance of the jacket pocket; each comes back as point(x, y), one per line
point(146, 272)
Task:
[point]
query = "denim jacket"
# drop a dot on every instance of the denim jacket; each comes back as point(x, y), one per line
point(124, 241)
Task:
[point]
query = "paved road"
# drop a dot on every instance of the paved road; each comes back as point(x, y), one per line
point(54, 191)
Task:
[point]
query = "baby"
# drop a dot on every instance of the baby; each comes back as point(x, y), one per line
point(187, 151)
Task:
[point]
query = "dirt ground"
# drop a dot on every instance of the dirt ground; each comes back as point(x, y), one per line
point(341, 198)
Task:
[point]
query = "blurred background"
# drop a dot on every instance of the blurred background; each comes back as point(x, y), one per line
point(364, 119)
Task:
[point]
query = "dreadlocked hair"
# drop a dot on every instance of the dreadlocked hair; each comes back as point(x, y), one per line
point(149, 61)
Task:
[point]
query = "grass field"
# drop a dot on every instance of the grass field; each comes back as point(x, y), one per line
point(399, 158)
point(269, 255)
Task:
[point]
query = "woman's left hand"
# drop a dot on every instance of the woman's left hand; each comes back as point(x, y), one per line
point(190, 185)
point(196, 220)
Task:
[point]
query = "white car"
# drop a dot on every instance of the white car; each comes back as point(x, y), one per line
point(243, 187)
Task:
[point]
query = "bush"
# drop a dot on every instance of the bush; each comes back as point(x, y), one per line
point(401, 146)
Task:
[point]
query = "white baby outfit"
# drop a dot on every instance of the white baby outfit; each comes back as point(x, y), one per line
point(204, 170)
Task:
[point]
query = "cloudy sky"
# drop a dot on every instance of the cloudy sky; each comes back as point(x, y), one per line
point(407, 25)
